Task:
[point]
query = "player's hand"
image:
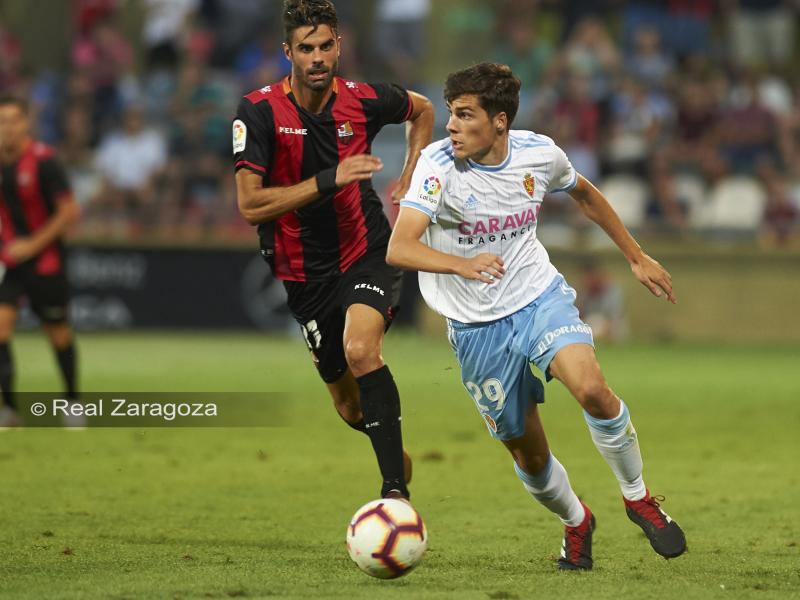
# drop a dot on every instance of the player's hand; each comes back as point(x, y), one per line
point(20, 249)
point(357, 168)
point(401, 188)
point(654, 277)
point(485, 267)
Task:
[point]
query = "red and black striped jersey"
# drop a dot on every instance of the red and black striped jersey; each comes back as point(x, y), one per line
point(277, 138)
point(30, 190)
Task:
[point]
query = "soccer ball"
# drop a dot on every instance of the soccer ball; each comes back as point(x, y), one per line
point(386, 538)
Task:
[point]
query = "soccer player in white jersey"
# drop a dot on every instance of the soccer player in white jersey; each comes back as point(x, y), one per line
point(468, 225)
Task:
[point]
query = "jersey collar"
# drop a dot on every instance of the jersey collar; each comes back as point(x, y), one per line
point(493, 168)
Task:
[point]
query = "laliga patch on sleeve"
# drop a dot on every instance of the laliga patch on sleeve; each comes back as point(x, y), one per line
point(239, 136)
point(430, 190)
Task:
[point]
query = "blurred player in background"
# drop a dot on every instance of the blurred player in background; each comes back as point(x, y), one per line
point(475, 198)
point(601, 304)
point(36, 208)
point(303, 176)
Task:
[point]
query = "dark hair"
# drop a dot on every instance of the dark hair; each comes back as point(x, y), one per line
point(495, 86)
point(302, 13)
point(20, 103)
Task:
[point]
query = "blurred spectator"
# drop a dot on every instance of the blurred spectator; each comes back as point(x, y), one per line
point(747, 132)
point(165, 22)
point(578, 107)
point(10, 61)
point(199, 91)
point(199, 180)
point(235, 23)
point(131, 162)
point(77, 155)
point(526, 54)
point(262, 62)
point(648, 62)
point(600, 303)
point(106, 57)
point(781, 217)
point(667, 210)
point(591, 53)
point(761, 32)
point(400, 35)
point(693, 143)
point(87, 13)
point(684, 25)
point(637, 116)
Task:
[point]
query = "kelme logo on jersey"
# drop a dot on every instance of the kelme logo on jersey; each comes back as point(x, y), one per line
point(528, 181)
point(292, 130)
point(239, 136)
point(431, 189)
point(345, 132)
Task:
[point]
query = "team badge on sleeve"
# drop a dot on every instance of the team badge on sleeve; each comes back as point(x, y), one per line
point(529, 182)
point(239, 136)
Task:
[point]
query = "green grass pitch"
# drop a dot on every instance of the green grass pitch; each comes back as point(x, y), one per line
point(217, 513)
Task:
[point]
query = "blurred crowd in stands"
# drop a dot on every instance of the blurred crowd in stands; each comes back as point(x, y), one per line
point(686, 112)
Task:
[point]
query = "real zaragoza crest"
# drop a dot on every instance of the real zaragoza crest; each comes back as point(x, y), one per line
point(528, 182)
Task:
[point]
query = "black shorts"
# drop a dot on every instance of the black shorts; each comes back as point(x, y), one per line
point(320, 308)
point(48, 294)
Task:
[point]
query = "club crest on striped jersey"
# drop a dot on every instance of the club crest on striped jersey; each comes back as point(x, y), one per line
point(529, 182)
point(239, 136)
point(345, 132)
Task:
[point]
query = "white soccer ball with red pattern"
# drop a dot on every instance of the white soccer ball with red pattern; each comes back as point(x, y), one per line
point(386, 538)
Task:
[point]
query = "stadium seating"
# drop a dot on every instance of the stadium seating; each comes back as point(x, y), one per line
point(628, 195)
point(692, 193)
point(736, 205)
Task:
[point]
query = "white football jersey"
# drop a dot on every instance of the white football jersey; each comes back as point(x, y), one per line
point(475, 209)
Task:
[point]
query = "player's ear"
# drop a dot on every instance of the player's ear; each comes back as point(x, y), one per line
point(501, 122)
point(338, 46)
point(287, 51)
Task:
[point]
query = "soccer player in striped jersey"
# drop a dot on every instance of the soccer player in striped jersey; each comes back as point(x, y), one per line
point(302, 150)
point(36, 209)
point(468, 225)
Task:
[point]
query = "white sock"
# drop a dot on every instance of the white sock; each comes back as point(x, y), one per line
point(617, 442)
point(551, 487)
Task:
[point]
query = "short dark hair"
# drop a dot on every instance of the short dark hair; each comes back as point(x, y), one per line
point(20, 103)
point(496, 87)
point(302, 13)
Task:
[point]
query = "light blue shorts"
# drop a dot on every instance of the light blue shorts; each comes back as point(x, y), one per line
point(495, 356)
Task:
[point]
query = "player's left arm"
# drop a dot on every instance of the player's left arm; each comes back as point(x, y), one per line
point(66, 211)
point(419, 133)
point(647, 270)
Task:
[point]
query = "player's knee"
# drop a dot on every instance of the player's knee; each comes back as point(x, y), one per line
point(596, 398)
point(531, 463)
point(362, 357)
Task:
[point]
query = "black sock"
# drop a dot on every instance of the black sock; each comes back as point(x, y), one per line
point(7, 375)
point(380, 403)
point(358, 425)
point(66, 358)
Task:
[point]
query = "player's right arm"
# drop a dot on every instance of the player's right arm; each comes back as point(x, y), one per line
point(406, 251)
point(259, 204)
point(417, 210)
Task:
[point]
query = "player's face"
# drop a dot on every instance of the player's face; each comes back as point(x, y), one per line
point(14, 127)
point(472, 131)
point(314, 56)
